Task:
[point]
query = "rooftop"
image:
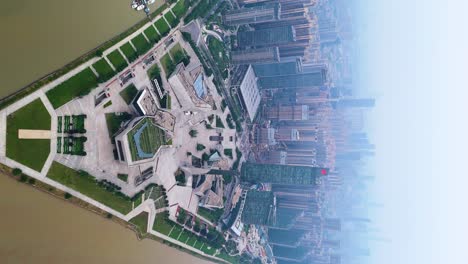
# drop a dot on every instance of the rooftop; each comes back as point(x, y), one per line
point(144, 139)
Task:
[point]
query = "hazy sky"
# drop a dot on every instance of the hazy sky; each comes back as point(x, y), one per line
point(414, 56)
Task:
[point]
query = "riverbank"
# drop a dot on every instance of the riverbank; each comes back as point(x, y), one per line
point(64, 197)
point(67, 82)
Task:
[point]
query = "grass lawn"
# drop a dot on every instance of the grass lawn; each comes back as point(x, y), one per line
point(141, 44)
point(123, 177)
point(200, 10)
point(129, 93)
point(86, 184)
point(219, 122)
point(151, 34)
point(176, 232)
point(107, 104)
point(104, 70)
point(59, 145)
point(30, 152)
point(114, 121)
point(129, 52)
point(141, 222)
point(161, 225)
point(74, 146)
point(151, 138)
point(192, 240)
point(211, 215)
point(165, 102)
point(117, 60)
point(199, 245)
point(59, 124)
point(180, 8)
point(184, 236)
point(168, 65)
point(208, 250)
point(178, 54)
point(79, 85)
point(173, 21)
point(162, 27)
point(219, 54)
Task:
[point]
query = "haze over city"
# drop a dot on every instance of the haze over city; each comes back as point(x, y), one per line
point(412, 58)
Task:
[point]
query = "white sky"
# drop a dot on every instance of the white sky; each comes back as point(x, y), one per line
point(414, 56)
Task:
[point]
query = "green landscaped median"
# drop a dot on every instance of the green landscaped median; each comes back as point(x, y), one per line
point(32, 153)
point(117, 60)
point(79, 85)
point(104, 70)
point(87, 185)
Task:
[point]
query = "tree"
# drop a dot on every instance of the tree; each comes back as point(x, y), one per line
point(67, 196)
point(181, 216)
point(231, 247)
point(32, 181)
point(17, 171)
point(23, 178)
point(180, 177)
point(99, 53)
point(193, 133)
point(200, 147)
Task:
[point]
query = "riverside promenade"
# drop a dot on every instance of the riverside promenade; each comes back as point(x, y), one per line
point(146, 206)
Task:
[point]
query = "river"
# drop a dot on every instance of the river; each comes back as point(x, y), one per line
point(38, 37)
point(38, 228)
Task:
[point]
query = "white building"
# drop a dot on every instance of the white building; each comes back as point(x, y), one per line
point(250, 93)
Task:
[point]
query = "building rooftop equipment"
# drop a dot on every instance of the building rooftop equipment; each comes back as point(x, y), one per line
point(252, 15)
point(293, 81)
point(292, 65)
point(266, 37)
point(255, 56)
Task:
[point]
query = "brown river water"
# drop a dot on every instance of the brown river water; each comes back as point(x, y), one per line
point(38, 37)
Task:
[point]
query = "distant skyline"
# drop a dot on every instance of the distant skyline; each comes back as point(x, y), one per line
point(412, 58)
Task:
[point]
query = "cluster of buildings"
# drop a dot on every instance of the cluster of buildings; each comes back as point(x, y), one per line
point(304, 189)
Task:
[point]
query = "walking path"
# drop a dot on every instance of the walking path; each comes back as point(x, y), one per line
point(33, 134)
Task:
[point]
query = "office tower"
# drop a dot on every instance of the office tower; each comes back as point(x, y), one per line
point(267, 12)
point(254, 56)
point(293, 81)
point(292, 65)
point(246, 82)
point(269, 37)
point(287, 112)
